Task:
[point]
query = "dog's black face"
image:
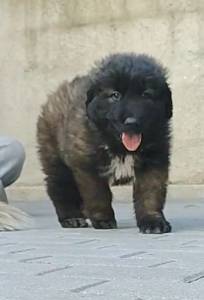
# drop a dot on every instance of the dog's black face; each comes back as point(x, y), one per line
point(132, 108)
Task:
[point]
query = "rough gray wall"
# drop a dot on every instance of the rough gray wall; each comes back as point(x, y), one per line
point(46, 41)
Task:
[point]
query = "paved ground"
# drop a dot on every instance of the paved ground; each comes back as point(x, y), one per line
point(51, 263)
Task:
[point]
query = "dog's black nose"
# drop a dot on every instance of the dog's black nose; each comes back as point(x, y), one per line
point(132, 124)
point(130, 121)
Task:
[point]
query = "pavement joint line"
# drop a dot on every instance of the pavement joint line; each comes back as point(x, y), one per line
point(22, 251)
point(53, 270)
point(86, 242)
point(194, 277)
point(108, 246)
point(88, 286)
point(133, 254)
point(161, 236)
point(189, 243)
point(161, 264)
point(34, 258)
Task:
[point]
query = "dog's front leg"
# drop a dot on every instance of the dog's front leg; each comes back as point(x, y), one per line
point(97, 198)
point(149, 193)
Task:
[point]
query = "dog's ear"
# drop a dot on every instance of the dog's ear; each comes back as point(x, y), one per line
point(168, 101)
point(89, 96)
point(91, 93)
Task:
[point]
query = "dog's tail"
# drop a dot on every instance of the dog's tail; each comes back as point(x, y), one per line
point(12, 218)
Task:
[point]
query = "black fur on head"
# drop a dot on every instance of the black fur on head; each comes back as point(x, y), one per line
point(129, 93)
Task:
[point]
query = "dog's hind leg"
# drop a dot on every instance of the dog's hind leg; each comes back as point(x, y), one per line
point(63, 191)
point(149, 193)
point(61, 185)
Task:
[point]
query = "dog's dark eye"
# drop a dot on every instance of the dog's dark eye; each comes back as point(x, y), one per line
point(115, 96)
point(148, 93)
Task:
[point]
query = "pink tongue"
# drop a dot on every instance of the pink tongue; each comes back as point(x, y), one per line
point(131, 142)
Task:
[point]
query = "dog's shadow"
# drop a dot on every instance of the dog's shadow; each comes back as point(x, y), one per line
point(186, 217)
point(179, 224)
point(182, 217)
point(187, 224)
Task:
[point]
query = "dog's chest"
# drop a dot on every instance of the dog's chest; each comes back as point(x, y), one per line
point(120, 169)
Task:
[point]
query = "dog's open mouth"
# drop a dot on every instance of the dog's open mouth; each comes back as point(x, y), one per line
point(131, 142)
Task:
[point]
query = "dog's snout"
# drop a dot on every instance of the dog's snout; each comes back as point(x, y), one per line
point(130, 121)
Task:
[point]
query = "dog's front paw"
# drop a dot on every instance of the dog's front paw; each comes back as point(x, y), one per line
point(154, 224)
point(104, 224)
point(74, 223)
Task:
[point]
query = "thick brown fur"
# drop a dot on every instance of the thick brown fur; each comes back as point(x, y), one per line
point(77, 150)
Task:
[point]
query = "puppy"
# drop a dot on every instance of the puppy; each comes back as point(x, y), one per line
point(106, 128)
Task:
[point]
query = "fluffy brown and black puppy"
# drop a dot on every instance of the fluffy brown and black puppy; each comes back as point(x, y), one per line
point(109, 127)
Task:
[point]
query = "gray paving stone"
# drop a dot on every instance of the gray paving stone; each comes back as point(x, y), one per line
point(48, 262)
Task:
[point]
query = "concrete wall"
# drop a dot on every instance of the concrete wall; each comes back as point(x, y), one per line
point(46, 41)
